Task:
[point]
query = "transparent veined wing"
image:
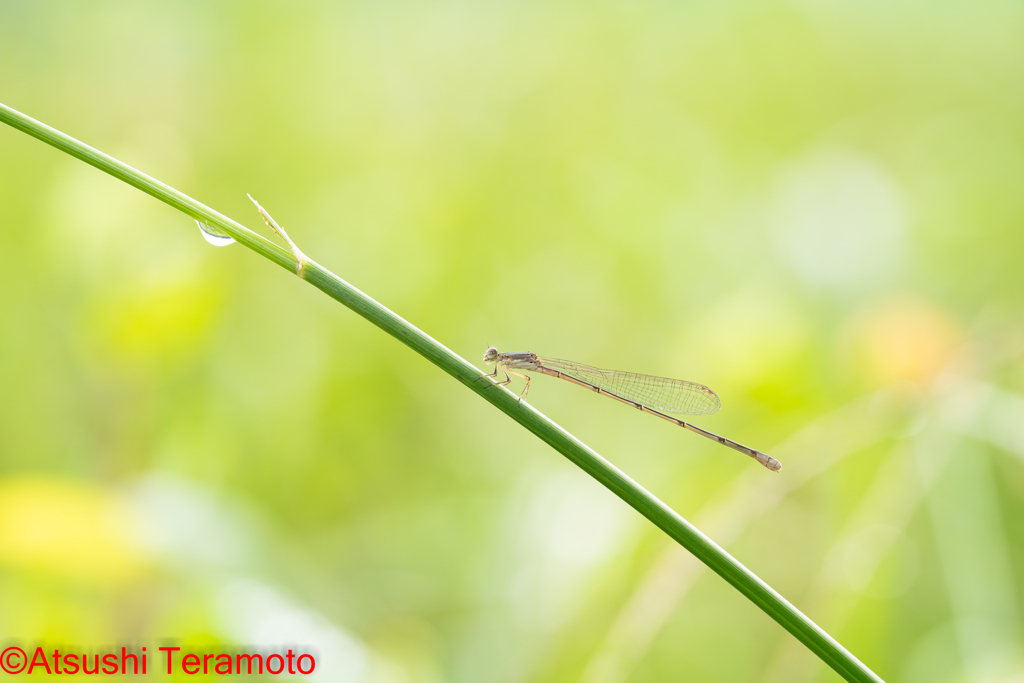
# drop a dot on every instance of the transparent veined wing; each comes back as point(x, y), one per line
point(660, 393)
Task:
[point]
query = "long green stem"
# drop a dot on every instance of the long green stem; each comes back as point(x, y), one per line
point(721, 562)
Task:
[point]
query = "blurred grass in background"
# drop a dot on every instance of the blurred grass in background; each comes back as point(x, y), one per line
point(814, 209)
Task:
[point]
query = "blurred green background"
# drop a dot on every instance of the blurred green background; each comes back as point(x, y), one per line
point(814, 208)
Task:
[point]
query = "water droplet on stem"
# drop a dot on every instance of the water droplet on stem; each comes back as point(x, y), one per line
point(214, 235)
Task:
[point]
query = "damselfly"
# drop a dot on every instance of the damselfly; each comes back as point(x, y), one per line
point(645, 392)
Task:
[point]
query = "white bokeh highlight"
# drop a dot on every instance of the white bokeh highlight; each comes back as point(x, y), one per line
point(840, 219)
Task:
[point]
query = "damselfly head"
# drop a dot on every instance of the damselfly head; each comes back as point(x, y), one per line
point(490, 355)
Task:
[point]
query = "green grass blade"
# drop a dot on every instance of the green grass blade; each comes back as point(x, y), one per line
point(717, 559)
